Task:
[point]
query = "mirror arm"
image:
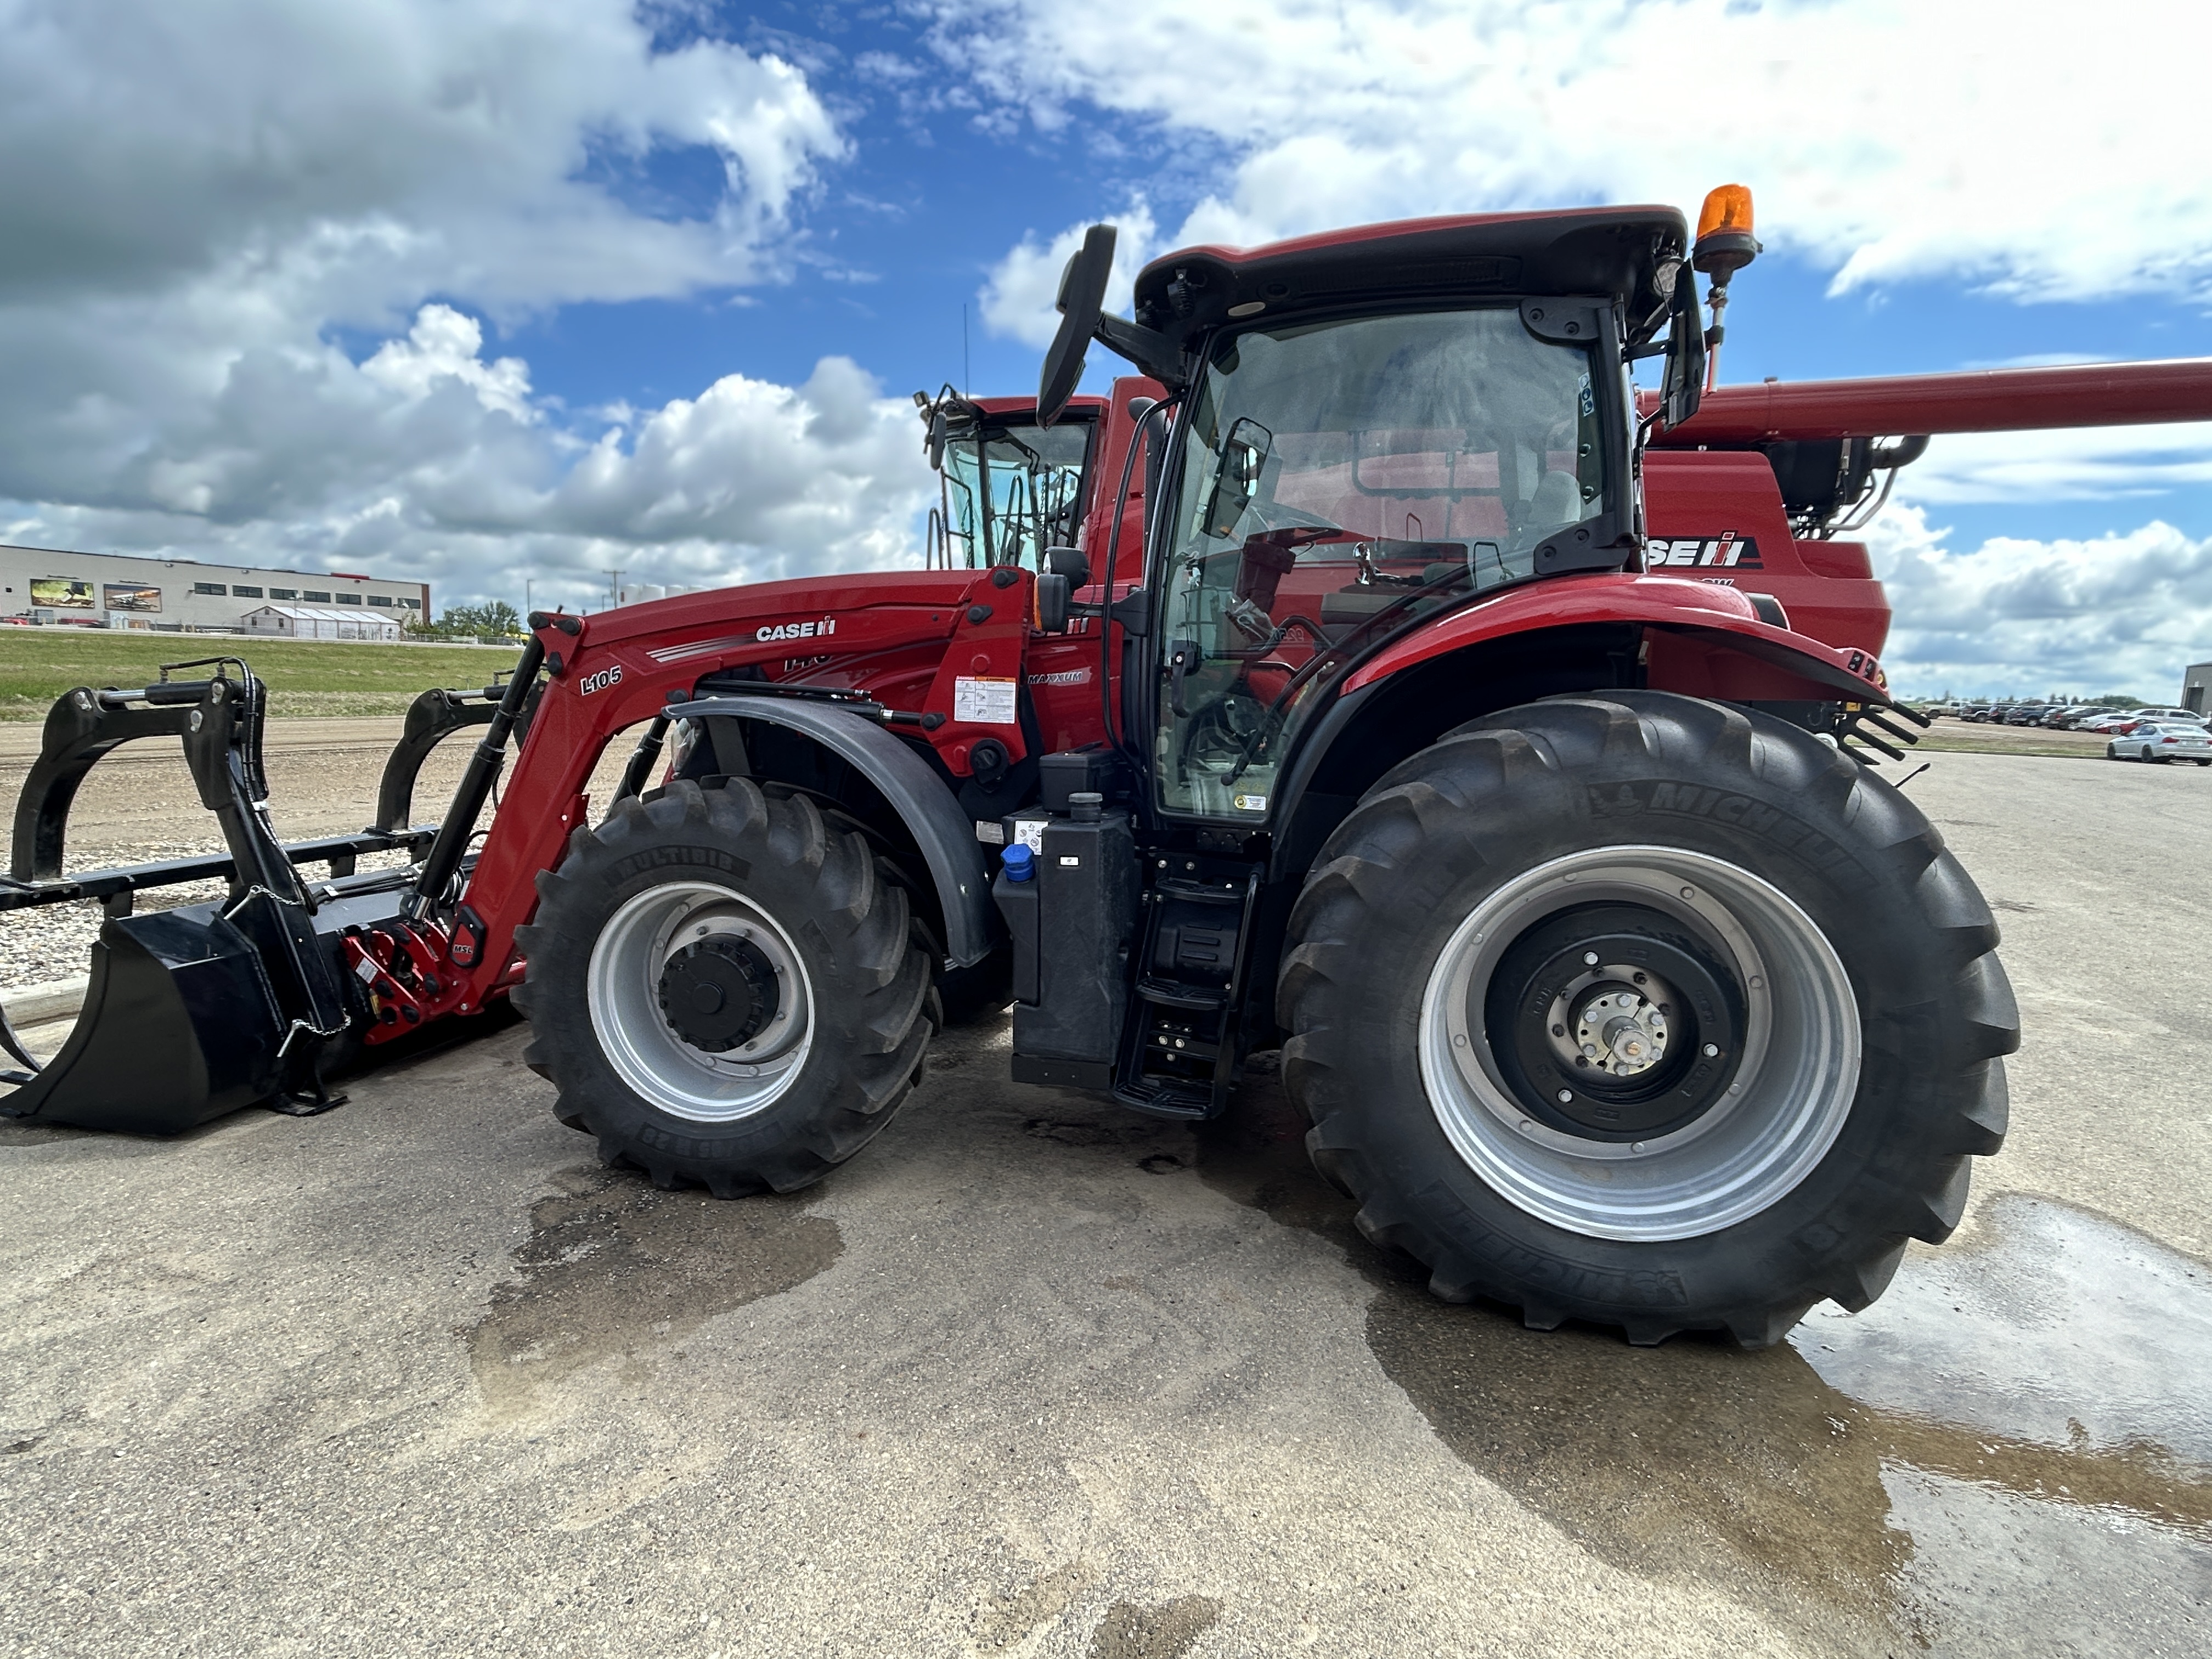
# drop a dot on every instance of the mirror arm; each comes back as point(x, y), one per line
point(1150, 350)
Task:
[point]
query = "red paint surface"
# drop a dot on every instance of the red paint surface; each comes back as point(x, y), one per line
point(1985, 400)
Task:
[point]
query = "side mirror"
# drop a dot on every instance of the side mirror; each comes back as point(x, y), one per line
point(1244, 457)
point(1069, 562)
point(1684, 381)
point(1081, 298)
point(1052, 604)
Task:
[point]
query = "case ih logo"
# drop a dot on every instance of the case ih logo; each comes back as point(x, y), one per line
point(1730, 551)
point(807, 630)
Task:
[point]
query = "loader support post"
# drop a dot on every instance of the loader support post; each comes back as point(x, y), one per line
point(642, 759)
point(434, 717)
point(444, 860)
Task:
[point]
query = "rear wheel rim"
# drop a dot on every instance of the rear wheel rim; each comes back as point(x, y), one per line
point(1793, 1084)
point(625, 987)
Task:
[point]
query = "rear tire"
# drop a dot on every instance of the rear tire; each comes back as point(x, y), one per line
point(1439, 939)
point(724, 989)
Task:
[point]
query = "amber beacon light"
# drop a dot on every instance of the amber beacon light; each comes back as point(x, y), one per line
point(1724, 247)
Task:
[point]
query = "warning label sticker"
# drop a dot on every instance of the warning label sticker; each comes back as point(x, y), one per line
point(984, 702)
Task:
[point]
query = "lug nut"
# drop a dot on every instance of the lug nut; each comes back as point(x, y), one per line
point(1589, 958)
point(1712, 1051)
point(1565, 1095)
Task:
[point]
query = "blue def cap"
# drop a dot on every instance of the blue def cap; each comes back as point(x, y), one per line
point(1021, 863)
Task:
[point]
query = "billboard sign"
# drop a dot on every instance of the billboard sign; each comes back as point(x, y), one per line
point(128, 596)
point(60, 593)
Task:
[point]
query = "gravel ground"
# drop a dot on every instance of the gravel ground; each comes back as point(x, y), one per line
point(138, 805)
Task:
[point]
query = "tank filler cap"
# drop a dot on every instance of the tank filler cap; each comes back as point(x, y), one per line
point(1020, 862)
point(1084, 806)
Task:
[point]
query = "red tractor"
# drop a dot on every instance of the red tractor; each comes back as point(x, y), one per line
point(1373, 678)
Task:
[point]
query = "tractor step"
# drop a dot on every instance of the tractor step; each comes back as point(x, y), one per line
point(1180, 1050)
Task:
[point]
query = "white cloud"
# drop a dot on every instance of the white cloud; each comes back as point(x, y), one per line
point(426, 461)
point(445, 345)
point(2079, 464)
point(198, 198)
point(2120, 612)
point(355, 157)
point(1883, 138)
point(1017, 299)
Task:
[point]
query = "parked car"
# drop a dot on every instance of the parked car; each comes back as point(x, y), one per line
point(2027, 713)
point(2186, 716)
point(1988, 713)
point(2078, 719)
point(2119, 721)
point(2161, 741)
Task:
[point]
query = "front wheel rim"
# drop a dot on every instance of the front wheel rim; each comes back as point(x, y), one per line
point(624, 987)
point(1793, 1082)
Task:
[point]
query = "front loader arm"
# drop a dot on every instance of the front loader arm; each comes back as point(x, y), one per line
point(946, 651)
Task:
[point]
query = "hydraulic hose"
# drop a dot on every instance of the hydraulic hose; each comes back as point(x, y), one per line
point(444, 860)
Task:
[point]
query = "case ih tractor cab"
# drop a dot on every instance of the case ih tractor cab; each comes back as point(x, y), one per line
point(1371, 677)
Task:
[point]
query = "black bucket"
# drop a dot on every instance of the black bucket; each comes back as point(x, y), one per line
point(179, 1026)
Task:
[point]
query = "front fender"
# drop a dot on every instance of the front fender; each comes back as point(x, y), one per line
point(929, 810)
point(1720, 618)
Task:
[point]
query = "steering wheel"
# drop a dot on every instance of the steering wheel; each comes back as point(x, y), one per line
point(1277, 516)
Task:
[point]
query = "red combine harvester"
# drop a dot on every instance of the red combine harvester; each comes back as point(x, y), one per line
point(1371, 678)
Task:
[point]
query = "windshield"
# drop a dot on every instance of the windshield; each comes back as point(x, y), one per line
point(1009, 492)
point(1341, 481)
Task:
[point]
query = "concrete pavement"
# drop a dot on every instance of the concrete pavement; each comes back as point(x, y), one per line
point(1033, 1375)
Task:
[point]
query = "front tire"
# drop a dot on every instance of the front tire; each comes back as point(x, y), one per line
point(725, 989)
point(1647, 1011)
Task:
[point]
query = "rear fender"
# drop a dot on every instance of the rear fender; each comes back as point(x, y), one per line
point(1718, 624)
point(930, 811)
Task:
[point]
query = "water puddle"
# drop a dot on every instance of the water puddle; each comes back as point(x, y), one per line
point(2010, 1452)
point(615, 1267)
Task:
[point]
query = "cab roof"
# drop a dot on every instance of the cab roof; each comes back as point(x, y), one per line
point(1596, 251)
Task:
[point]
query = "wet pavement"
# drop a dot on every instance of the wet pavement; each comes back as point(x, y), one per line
point(2038, 1396)
point(1035, 1376)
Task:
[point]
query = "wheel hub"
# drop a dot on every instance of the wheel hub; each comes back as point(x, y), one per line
point(1621, 1031)
point(1611, 1023)
point(717, 994)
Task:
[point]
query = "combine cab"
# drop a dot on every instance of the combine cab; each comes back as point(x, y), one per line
point(1369, 677)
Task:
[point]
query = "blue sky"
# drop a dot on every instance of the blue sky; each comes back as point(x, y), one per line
point(452, 291)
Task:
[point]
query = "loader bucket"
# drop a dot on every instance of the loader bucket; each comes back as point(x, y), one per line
point(179, 1026)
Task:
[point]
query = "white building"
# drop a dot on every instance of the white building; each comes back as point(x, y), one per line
point(305, 622)
point(115, 590)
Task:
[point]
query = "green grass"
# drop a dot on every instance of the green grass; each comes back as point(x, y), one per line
point(305, 677)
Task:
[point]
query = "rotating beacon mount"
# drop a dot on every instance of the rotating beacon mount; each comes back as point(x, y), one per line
point(1724, 247)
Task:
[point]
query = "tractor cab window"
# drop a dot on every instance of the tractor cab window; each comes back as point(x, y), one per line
point(1341, 481)
point(1009, 491)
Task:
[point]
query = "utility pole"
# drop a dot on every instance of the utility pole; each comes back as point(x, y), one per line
point(614, 588)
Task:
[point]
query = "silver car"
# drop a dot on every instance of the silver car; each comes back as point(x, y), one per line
point(2162, 741)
